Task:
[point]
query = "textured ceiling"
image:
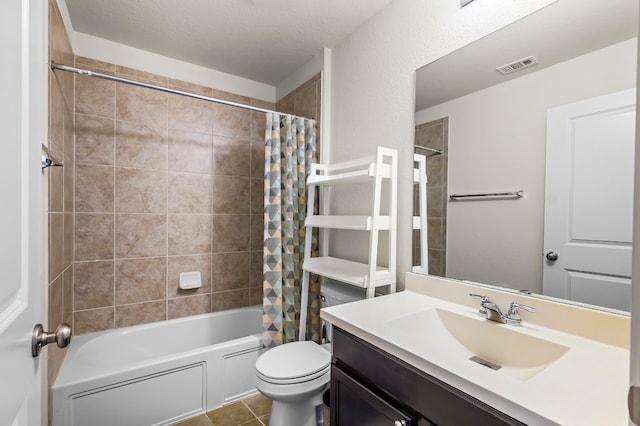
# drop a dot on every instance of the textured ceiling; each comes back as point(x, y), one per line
point(262, 40)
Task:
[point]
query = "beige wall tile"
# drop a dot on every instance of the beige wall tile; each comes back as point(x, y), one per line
point(69, 184)
point(307, 100)
point(55, 302)
point(93, 320)
point(230, 233)
point(94, 189)
point(190, 87)
point(93, 286)
point(69, 133)
point(95, 140)
point(84, 62)
point(95, 96)
point(230, 195)
point(190, 114)
point(179, 264)
point(67, 240)
point(138, 75)
point(257, 158)
point(56, 110)
point(141, 105)
point(220, 94)
point(256, 296)
point(434, 202)
point(67, 296)
point(189, 234)
point(190, 151)
point(93, 236)
point(257, 196)
point(56, 244)
point(185, 306)
point(230, 299)
point(257, 232)
point(141, 191)
point(140, 280)
point(56, 183)
point(231, 156)
point(189, 193)
point(231, 121)
point(256, 263)
point(141, 313)
point(141, 146)
point(141, 235)
point(230, 271)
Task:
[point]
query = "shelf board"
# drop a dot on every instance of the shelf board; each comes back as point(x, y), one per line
point(355, 176)
point(353, 273)
point(356, 223)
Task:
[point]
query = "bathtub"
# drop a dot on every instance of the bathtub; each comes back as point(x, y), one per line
point(158, 373)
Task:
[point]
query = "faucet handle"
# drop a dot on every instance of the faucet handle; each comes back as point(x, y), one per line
point(479, 296)
point(513, 316)
point(482, 311)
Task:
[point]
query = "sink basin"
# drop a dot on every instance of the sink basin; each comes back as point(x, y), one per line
point(507, 350)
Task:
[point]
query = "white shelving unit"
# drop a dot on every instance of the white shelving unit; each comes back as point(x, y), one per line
point(372, 171)
point(420, 221)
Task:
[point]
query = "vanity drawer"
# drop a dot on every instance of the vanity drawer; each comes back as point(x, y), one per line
point(396, 380)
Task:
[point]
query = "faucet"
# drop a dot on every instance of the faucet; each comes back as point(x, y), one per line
point(491, 311)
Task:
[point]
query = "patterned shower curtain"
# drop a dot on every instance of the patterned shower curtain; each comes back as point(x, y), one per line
point(290, 149)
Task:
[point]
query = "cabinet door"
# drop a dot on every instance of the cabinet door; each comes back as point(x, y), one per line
point(354, 404)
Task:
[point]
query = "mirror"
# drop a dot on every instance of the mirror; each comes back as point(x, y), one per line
point(486, 133)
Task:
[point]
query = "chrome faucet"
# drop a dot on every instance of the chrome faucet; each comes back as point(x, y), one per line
point(491, 311)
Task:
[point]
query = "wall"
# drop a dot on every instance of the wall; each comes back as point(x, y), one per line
point(164, 184)
point(498, 148)
point(372, 92)
point(60, 188)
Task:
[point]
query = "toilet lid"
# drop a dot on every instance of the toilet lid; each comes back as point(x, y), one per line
point(293, 361)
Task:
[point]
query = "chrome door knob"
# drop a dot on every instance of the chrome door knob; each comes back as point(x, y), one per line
point(41, 338)
point(552, 256)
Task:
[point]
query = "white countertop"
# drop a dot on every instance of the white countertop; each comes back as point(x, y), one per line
point(585, 386)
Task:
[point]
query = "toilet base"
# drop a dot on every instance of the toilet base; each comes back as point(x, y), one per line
point(300, 413)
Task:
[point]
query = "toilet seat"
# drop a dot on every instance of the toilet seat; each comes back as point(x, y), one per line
point(293, 363)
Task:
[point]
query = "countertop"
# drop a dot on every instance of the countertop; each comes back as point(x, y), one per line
point(585, 386)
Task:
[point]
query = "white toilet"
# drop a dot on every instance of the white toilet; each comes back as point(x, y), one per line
point(296, 375)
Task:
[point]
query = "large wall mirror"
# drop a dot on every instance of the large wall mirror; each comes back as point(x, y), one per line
point(542, 157)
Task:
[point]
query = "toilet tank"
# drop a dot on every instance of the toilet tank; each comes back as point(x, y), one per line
point(334, 293)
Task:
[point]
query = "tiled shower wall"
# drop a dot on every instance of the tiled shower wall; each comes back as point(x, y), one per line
point(60, 188)
point(304, 101)
point(164, 184)
point(434, 134)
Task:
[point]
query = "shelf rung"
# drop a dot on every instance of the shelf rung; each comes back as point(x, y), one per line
point(355, 176)
point(353, 273)
point(356, 223)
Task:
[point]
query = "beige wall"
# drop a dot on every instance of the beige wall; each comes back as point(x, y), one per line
point(493, 148)
point(60, 205)
point(164, 184)
point(372, 91)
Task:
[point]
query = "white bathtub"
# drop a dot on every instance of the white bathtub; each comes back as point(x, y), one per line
point(158, 373)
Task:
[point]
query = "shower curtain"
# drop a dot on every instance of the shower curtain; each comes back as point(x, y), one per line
point(290, 149)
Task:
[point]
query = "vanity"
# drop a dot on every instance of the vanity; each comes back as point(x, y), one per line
point(424, 356)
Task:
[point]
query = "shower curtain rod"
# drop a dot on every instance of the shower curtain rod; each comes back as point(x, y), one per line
point(61, 67)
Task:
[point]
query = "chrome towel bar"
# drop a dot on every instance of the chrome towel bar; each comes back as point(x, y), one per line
point(513, 194)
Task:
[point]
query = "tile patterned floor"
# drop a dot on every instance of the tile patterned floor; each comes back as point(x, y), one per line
point(251, 411)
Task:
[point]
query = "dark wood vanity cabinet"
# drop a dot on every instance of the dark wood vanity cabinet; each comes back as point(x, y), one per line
point(370, 387)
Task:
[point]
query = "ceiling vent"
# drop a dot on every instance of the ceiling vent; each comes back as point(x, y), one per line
point(518, 65)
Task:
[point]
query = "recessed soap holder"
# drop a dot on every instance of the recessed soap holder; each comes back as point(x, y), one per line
point(190, 280)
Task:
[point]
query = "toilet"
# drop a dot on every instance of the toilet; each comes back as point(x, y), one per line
point(295, 375)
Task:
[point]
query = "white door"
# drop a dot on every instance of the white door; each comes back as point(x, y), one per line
point(23, 72)
point(589, 200)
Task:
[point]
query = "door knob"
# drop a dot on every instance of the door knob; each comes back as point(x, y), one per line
point(552, 256)
point(41, 338)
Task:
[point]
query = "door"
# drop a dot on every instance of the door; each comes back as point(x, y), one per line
point(23, 72)
point(589, 201)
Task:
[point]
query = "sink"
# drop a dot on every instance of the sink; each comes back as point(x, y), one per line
point(507, 349)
